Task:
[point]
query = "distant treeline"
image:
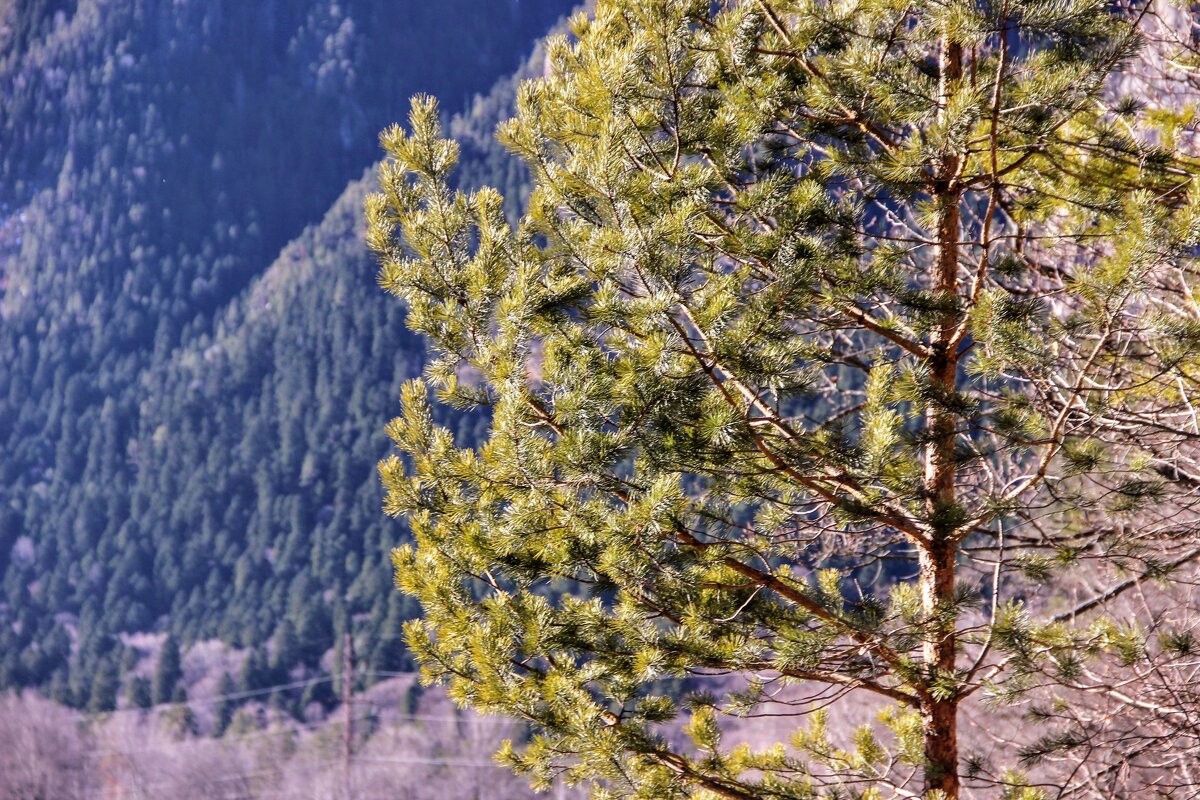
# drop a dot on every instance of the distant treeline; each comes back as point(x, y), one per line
point(186, 435)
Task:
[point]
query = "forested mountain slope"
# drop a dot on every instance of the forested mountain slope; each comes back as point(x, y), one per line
point(263, 435)
point(184, 440)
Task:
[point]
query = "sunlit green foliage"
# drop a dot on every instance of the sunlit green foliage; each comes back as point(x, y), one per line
point(812, 299)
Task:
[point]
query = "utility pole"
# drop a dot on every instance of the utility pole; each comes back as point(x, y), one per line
point(348, 707)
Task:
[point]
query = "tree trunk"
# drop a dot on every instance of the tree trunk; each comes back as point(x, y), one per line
point(938, 558)
point(939, 716)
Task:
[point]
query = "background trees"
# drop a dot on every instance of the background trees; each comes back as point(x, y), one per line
point(167, 672)
point(423, 753)
point(188, 417)
point(831, 332)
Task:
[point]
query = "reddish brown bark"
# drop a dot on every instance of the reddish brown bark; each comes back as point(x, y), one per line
point(938, 557)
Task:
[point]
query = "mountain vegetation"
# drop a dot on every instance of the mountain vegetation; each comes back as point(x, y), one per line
point(836, 336)
point(194, 361)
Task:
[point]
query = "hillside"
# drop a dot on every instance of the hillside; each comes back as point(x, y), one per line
point(187, 414)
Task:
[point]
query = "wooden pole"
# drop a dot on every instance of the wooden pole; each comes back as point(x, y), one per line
point(348, 707)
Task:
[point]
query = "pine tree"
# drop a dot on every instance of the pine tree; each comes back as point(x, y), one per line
point(831, 333)
point(105, 685)
point(167, 672)
point(138, 692)
point(286, 650)
point(226, 705)
point(255, 673)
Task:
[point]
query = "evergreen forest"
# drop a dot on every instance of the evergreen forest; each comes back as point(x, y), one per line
point(196, 364)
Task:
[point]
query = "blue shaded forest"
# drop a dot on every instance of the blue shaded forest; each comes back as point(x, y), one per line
point(195, 362)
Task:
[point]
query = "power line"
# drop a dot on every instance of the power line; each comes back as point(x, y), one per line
point(218, 698)
point(436, 762)
point(250, 693)
point(348, 704)
point(268, 690)
point(299, 728)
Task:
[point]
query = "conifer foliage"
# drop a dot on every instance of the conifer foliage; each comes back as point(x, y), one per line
point(832, 331)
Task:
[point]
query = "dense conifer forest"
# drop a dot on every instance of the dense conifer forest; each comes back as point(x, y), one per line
point(195, 362)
